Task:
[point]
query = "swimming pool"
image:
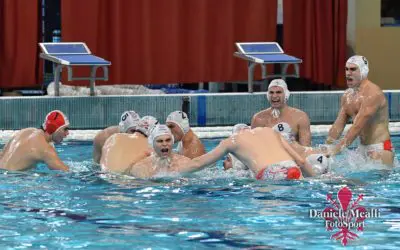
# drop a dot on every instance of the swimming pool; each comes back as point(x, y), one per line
point(42, 209)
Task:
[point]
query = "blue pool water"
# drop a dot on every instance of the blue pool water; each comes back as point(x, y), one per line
point(42, 209)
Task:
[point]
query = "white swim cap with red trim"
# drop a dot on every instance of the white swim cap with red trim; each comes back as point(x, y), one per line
point(54, 121)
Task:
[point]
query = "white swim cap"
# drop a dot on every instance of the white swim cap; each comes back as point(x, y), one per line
point(362, 64)
point(239, 127)
point(319, 163)
point(279, 83)
point(285, 130)
point(146, 124)
point(129, 119)
point(157, 131)
point(181, 119)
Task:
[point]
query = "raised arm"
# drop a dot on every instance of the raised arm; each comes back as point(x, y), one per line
point(307, 169)
point(195, 149)
point(50, 157)
point(339, 124)
point(203, 161)
point(368, 109)
point(304, 130)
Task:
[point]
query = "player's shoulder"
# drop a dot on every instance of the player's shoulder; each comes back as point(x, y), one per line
point(298, 112)
point(262, 113)
point(374, 88)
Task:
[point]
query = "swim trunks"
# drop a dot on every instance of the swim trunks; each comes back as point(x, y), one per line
point(280, 171)
point(378, 147)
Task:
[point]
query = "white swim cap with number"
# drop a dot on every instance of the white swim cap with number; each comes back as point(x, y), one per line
point(129, 119)
point(181, 119)
point(362, 64)
point(319, 163)
point(157, 131)
point(279, 83)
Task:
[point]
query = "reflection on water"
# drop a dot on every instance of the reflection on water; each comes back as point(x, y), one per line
point(87, 208)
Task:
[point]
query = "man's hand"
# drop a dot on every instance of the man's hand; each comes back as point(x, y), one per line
point(329, 140)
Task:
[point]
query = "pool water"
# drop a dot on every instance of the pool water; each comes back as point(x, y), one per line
point(85, 208)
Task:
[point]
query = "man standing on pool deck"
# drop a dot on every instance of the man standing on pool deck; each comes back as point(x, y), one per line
point(292, 123)
point(30, 146)
point(365, 102)
point(129, 119)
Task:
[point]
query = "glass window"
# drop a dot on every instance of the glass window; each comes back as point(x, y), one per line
point(390, 13)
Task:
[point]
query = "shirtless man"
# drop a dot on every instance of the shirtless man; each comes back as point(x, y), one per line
point(189, 144)
point(129, 120)
point(365, 102)
point(274, 160)
point(163, 161)
point(121, 150)
point(30, 146)
point(292, 123)
point(231, 161)
point(314, 156)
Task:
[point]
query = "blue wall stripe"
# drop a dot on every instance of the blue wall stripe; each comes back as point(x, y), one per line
point(390, 104)
point(201, 111)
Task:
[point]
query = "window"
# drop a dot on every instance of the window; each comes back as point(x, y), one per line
point(390, 13)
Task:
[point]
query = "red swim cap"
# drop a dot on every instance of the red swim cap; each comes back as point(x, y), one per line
point(293, 173)
point(54, 121)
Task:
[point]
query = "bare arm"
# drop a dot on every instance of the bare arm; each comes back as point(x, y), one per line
point(52, 160)
point(368, 109)
point(339, 124)
point(256, 121)
point(141, 169)
point(203, 161)
point(194, 149)
point(304, 131)
point(299, 159)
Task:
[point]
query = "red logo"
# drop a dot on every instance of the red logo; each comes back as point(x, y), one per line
point(345, 217)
